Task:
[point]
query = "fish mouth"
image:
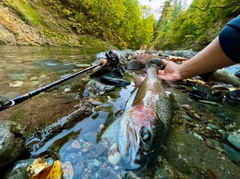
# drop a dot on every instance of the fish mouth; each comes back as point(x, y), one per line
point(134, 143)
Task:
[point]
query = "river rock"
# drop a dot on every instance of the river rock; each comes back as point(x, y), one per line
point(234, 139)
point(133, 65)
point(224, 76)
point(237, 73)
point(232, 153)
point(183, 53)
point(97, 86)
point(12, 141)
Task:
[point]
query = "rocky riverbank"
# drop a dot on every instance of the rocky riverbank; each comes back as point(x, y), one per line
point(30, 23)
point(203, 118)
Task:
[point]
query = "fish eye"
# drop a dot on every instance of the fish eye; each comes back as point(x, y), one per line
point(145, 134)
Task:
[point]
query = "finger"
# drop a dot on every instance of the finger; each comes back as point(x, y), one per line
point(160, 72)
point(164, 62)
point(161, 76)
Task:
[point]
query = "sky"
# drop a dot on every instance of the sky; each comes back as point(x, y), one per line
point(155, 4)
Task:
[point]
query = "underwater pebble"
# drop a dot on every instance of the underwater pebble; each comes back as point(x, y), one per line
point(114, 156)
point(18, 77)
point(99, 150)
point(197, 116)
point(11, 94)
point(208, 128)
point(67, 89)
point(78, 171)
point(89, 137)
point(101, 126)
point(108, 173)
point(43, 78)
point(213, 126)
point(72, 96)
point(88, 146)
point(96, 103)
point(210, 143)
point(93, 164)
point(186, 106)
point(219, 149)
point(33, 78)
point(68, 171)
point(72, 157)
point(197, 136)
point(234, 139)
point(221, 131)
point(16, 84)
point(75, 146)
point(232, 153)
point(187, 118)
point(82, 65)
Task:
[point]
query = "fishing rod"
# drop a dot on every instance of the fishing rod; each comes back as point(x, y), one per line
point(21, 98)
point(112, 61)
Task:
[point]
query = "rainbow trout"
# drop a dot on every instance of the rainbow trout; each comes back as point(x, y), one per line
point(145, 121)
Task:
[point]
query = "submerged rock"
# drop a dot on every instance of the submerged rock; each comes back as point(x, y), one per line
point(12, 141)
point(97, 86)
point(133, 65)
point(234, 139)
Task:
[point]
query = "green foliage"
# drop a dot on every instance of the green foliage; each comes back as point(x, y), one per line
point(122, 22)
point(25, 11)
point(194, 27)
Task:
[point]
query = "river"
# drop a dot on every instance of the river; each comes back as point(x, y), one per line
point(83, 147)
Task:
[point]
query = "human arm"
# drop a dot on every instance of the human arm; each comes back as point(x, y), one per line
point(217, 54)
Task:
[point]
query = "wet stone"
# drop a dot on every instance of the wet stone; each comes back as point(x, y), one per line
point(94, 163)
point(210, 143)
point(212, 126)
point(72, 157)
point(232, 153)
point(197, 136)
point(75, 146)
point(18, 169)
point(12, 141)
point(187, 118)
point(133, 65)
point(89, 137)
point(18, 77)
point(72, 96)
point(99, 150)
point(16, 84)
point(237, 74)
point(11, 94)
point(234, 139)
point(108, 173)
point(78, 170)
point(33, 78)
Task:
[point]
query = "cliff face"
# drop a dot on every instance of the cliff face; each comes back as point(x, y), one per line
point(35, 22)
point(15, 31)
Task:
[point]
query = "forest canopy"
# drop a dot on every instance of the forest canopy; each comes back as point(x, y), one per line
point(194, 27)
point(128, 24)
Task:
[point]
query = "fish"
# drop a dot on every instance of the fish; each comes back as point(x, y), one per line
point(145, 120)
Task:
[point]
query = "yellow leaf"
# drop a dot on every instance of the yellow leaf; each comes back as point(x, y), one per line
point(56, 171)
point(43, 174)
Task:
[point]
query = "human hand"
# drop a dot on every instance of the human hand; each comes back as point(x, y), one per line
point(171, 72)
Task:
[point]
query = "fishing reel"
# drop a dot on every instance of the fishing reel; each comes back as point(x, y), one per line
point(114, 62)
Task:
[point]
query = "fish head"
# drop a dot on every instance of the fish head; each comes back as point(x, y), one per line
point(136, 136)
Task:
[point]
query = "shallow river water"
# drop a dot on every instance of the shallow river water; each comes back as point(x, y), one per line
point(197, 145)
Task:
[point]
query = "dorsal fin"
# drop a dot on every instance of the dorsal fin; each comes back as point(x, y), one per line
point(141, 92)
point(137, 80)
